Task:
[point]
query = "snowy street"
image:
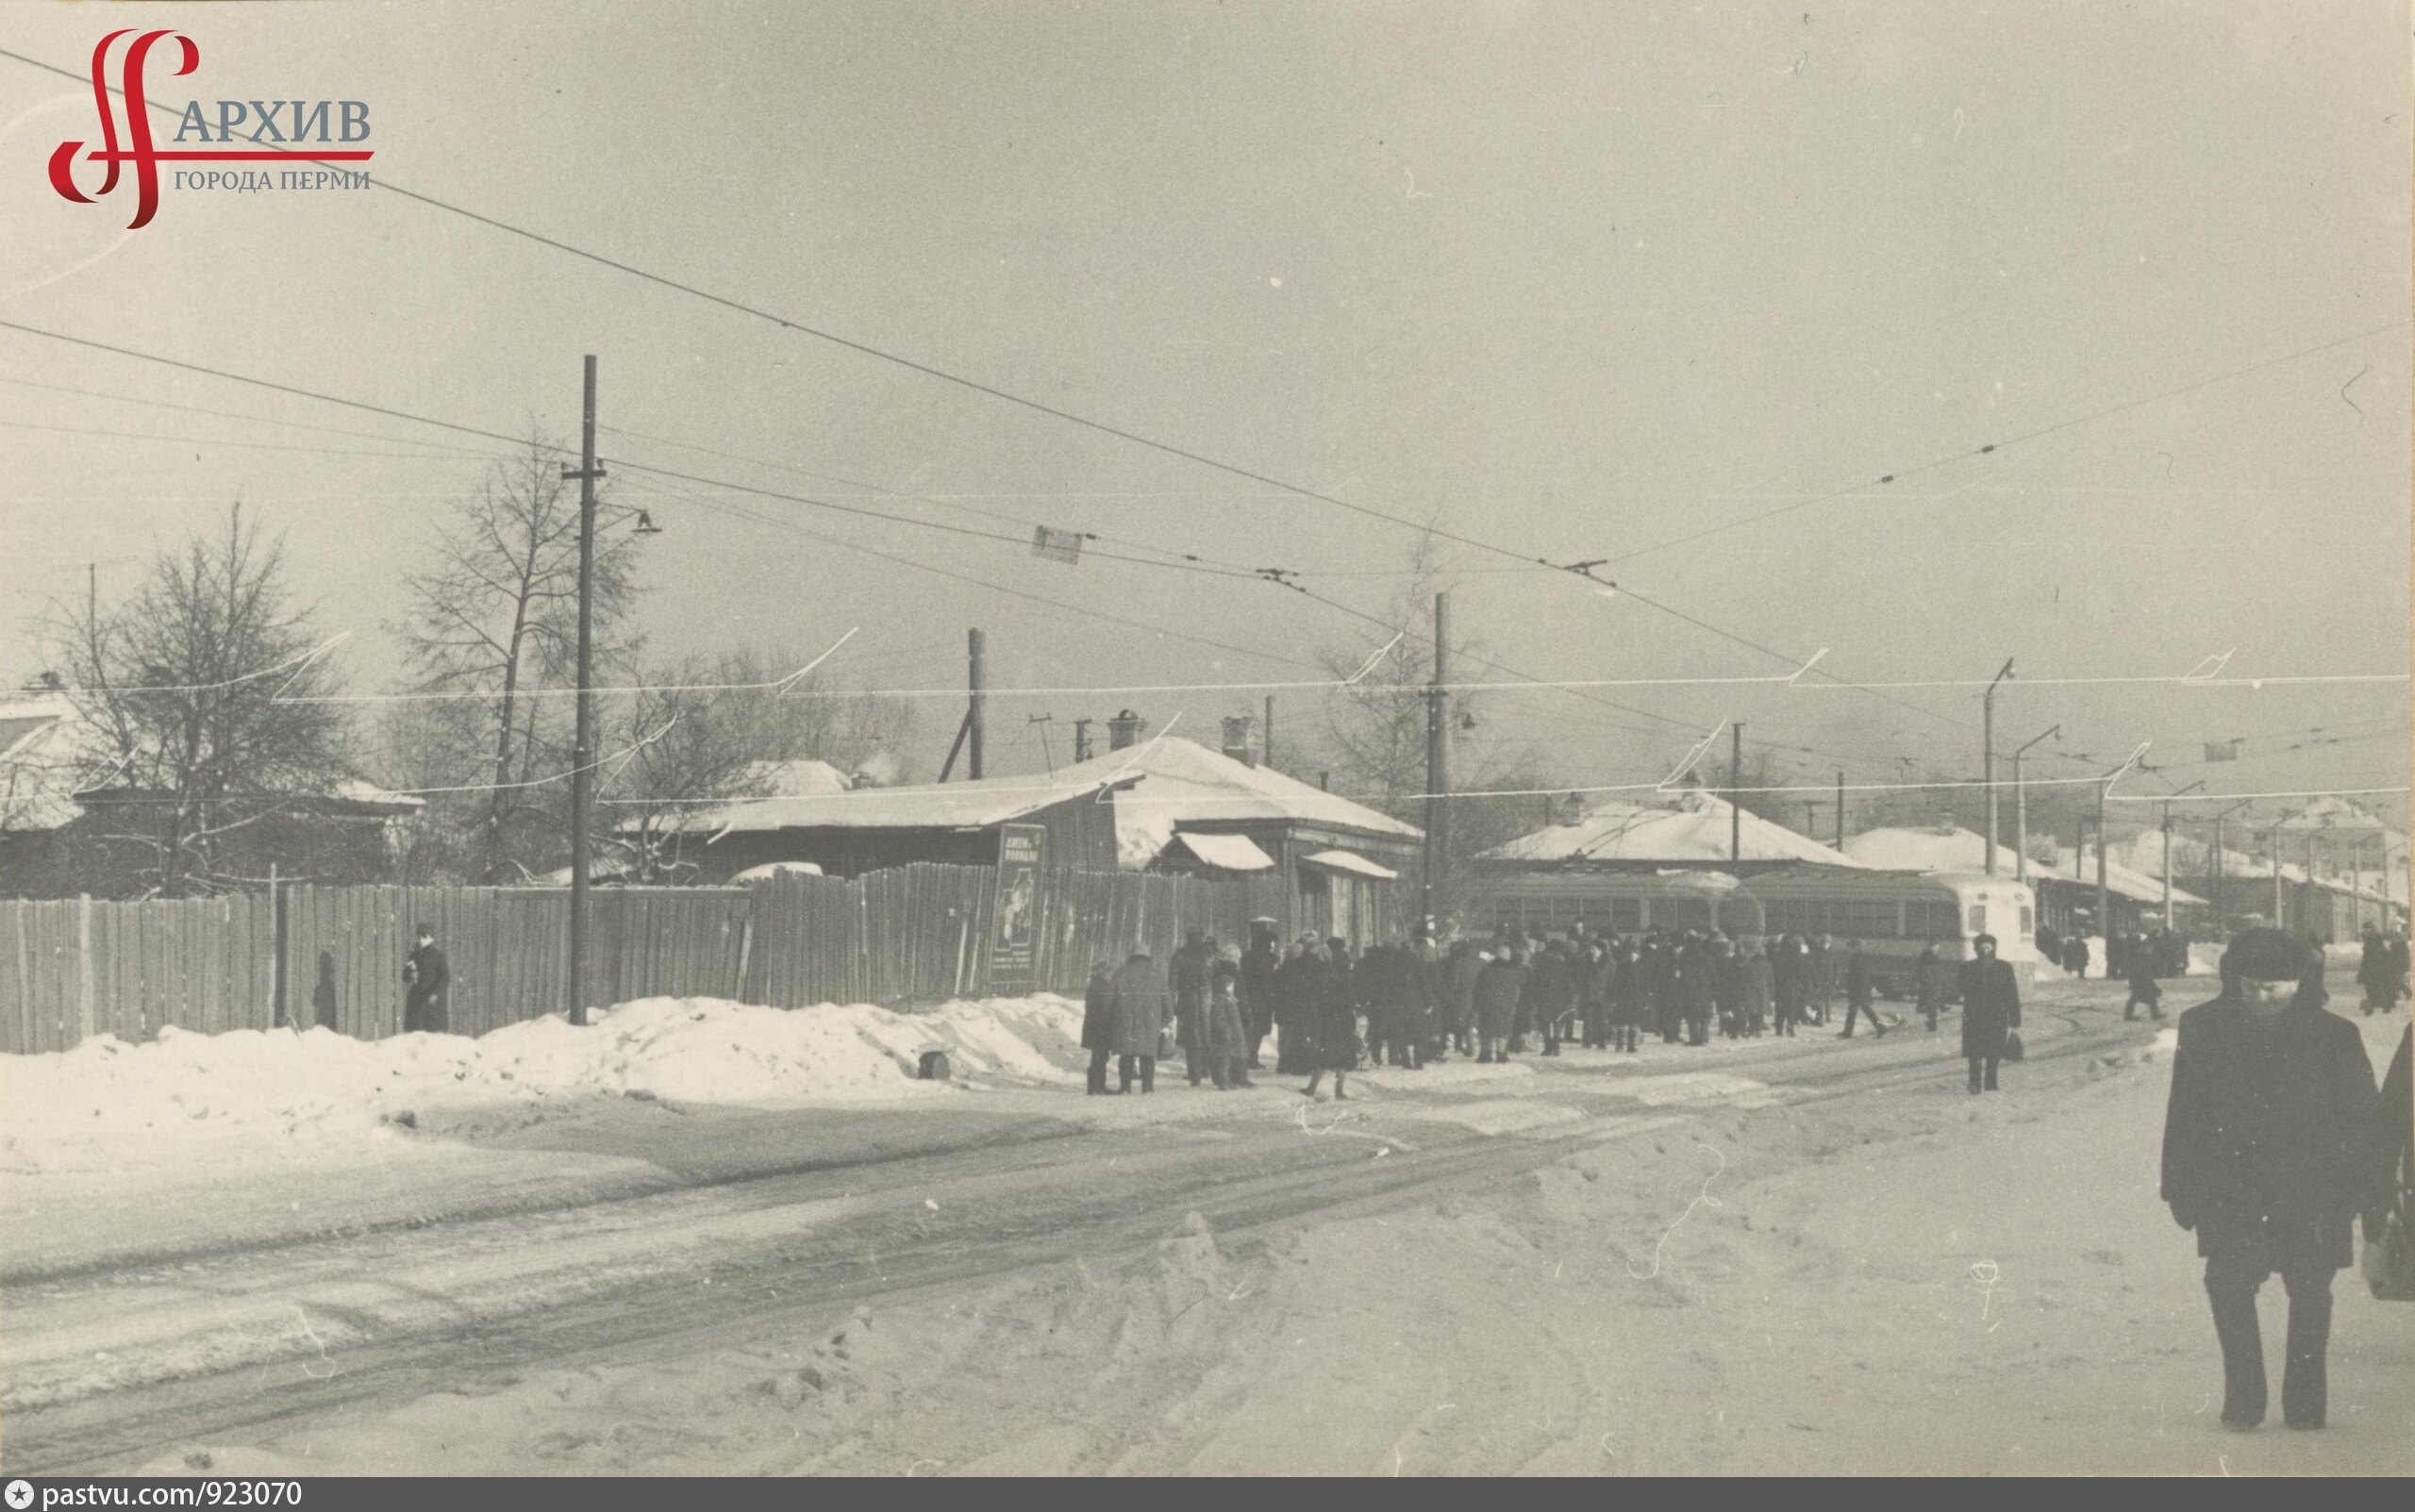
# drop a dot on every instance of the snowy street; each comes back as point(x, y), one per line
point(1759, 1256)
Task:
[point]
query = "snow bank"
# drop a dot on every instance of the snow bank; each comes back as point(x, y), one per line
point(106, 1103)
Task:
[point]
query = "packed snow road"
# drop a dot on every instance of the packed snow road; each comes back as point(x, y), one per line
point(648, 1244)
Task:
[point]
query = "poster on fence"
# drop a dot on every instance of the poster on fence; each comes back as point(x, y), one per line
point(1021, 848)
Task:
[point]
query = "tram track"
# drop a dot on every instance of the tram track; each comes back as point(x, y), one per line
point(1014, 1213)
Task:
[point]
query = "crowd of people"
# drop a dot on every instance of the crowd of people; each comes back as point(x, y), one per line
point(1411, 1002)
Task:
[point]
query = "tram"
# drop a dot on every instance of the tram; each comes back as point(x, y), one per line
point(1895, 914)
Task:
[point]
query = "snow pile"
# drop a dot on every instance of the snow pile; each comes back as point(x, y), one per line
point(108, 1102)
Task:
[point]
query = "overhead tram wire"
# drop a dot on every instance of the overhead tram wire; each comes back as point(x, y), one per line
point(626, 463)
point(935, 501)
point(711, 483)
point(668, 474)
point(1167, 448)
point(2040, 433)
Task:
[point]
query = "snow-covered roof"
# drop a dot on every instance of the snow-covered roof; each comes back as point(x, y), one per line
point(1950, 848)
point(933, 805)
point(1348, 861)
point(1691, 830)
point(1231, 853)
point(1186, 782)
point(37, 765)
point(796, 779)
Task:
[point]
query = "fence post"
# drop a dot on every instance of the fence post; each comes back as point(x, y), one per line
point(84, 967)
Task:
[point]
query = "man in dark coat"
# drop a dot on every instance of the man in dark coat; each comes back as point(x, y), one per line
point(1335, 1027)
point(1257, 989)
point(1991, 1010)
point(1299, 997)
point(2374, 971)
point(1860, 989)
point(1760, 987)
point(1500, 986)
point(1345, 997)
point(1727, 988)
point(1929, 985)
point(1388, 985)
point(1630, 997)
point(425, 978)
point(2144, 988)
point(1551, 993)
point(1701, 987)
point(1141, 1000)
point(2075, 956)
point(1789, 966)
point(2266, 1151)
point(1465, 964)
point(1187, 977)
point(1598, 972)
point(1098, 1025)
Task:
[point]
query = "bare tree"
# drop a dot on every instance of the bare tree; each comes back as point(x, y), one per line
point(197, 695)
point(496, 615)
point(1375, 733)
point(710, 730)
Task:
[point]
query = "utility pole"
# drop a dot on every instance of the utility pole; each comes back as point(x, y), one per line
point(2273, 848)
point(1735, 786)
point(2021, 813)
point(1841, 810)
point(1438, 755)
point(582, 777)
point(1987, 753)
point(1267, 754)
point(976, 681)
point(2167, 850)
point(1082, 741)
point(2104, 900)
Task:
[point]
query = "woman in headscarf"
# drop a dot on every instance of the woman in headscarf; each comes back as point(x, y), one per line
point(1227, 1038)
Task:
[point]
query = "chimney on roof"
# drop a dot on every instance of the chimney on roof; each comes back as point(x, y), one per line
point(1237, 738)
point(1124, 730)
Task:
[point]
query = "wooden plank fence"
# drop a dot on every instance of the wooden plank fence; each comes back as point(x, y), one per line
point(78, 967)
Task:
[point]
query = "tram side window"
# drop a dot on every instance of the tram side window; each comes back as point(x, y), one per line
point(1931, 920)
point(2027, 929)
point(1626, 913)
point(1978, 917)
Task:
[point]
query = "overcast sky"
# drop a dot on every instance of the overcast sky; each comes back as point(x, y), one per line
point(1574, 278)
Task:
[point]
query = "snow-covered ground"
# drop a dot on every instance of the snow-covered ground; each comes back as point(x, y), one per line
point(278, 1095)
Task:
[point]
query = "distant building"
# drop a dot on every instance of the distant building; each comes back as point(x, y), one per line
point(849, 831)
point(1327, 863)
point(2066, 889)
point(58, 840)
point(1318, 861)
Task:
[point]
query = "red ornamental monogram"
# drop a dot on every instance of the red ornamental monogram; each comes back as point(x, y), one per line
point(139, 150)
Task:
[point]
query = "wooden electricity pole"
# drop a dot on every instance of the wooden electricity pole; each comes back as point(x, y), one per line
point(582, 775)
point(1438, 755)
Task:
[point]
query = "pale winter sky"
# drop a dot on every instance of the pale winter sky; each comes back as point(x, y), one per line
point(1574, 278)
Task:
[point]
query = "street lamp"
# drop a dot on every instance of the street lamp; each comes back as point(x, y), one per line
point(2020, 815)
point(2222, 905)
point(1987, 741)
point(2167, 848)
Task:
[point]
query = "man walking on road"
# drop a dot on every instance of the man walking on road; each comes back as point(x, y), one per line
point(1991, 1010)
point(425, 978)
point(1929, 985)
point(2265, 1152)
point(1857, 993)
point(2144, 988)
